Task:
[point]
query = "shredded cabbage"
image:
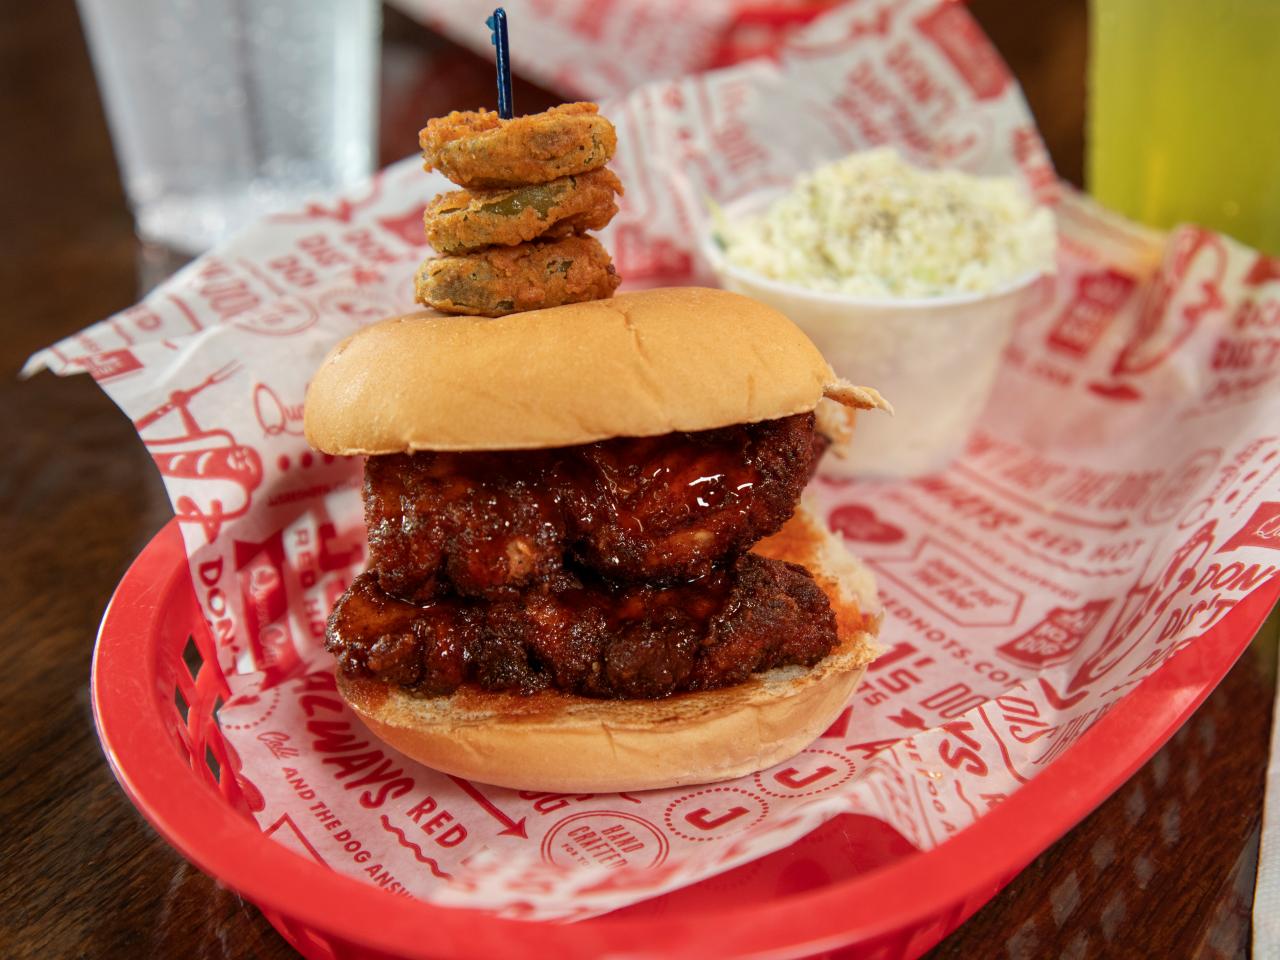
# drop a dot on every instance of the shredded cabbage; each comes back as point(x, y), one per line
point(871, 225)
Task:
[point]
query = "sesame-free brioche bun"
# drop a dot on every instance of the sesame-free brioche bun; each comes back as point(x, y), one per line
point(639, 364)
point(559, 743)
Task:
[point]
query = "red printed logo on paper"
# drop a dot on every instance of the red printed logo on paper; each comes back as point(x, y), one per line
point(237, 715)
point(274, 415)
point(260, 571)
point(1098, 298)
point(1022, 721)
point(962, 42)
point(856, 522)
point(277, 744)
point(1144, 606)
point(808, 772)
point(761, 32)
point(282, 317)
point(1260, 530)
point(1194, 273)
point(143, 317)
point(831, 36)
point(357, 306)
point(408, 226)
point(1055, 638)
point(1264, 270)
point(1186, 290)
point(607, 838)
point(958, 589)
point(715, 812)
point(338, 553)
point(1181, 483)
point(639, 256)
point(342, 209)
point(211, 477)
point(110, 365)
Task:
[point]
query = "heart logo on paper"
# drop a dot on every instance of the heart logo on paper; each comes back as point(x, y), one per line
point(856, 522)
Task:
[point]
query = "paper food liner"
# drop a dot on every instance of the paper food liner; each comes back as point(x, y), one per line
point(586, 48)
point(1121, 495)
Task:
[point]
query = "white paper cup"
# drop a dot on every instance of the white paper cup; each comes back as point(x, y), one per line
point(933, 358)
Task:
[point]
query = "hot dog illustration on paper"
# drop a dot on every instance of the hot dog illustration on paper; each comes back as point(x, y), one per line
point(216, 474)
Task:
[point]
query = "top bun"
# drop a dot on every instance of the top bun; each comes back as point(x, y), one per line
point(639, 364)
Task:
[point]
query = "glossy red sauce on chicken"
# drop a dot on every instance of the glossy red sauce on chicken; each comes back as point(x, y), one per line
point(588, 637)
point(651, 509)
point(613, 569)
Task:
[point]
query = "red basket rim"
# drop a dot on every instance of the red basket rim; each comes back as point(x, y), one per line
point(197, 822)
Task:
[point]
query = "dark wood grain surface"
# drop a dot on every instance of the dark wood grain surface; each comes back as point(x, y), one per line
point(1164, 868)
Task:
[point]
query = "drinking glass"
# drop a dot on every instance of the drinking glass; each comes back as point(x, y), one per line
point(224, 110)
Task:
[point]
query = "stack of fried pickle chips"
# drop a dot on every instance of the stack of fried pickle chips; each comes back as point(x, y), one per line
point(514, 238)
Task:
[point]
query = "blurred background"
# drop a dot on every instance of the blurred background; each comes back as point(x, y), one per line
point(62, 186)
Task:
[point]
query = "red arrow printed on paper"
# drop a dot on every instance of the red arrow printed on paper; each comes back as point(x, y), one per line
point(511, 828)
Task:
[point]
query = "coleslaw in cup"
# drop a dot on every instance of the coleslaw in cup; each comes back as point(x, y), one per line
point(934, 357)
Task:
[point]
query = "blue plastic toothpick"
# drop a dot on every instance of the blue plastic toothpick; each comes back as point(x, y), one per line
point(497, 23)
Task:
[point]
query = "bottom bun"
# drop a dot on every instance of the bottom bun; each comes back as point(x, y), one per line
point(560, 743)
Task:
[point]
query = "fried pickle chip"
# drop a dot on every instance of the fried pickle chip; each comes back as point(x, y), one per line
point(501, 280)
point(466, 220)
point(478, 150)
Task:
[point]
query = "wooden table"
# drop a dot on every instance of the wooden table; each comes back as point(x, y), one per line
point(1164, 868)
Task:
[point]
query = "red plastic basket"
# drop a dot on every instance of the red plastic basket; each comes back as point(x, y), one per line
point(157, 687)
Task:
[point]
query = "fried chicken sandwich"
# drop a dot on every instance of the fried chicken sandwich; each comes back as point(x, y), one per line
point(587, 572)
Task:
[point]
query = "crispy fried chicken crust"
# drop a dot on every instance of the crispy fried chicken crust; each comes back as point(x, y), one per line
point(658, 509)
point(640, 641)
